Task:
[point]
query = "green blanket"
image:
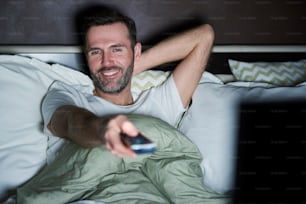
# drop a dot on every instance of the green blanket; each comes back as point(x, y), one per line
point(170, 175)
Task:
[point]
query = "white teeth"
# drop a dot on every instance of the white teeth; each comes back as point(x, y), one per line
point(109, 73)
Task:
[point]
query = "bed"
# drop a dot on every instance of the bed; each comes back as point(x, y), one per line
point(234, 74)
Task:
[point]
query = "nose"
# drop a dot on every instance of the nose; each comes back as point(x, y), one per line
point(106, 59)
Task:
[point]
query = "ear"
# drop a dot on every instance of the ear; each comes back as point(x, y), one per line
point(137, 51)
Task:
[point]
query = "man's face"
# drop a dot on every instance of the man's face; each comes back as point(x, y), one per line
point(110, 57)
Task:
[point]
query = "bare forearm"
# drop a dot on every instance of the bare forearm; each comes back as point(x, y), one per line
point(172, 49)
point(78, 125)
point(192, 48)
point(86, 129)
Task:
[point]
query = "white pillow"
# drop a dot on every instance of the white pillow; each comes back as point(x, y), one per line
point(278, 73)
point(23, 84)
point(211, 123)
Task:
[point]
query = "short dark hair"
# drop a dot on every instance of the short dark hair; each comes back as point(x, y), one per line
point(102, 15)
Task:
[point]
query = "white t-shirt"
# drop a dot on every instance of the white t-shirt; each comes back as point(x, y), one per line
point(163, 102)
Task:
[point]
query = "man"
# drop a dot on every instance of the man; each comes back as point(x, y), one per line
point(113, 56)
point(172, 174)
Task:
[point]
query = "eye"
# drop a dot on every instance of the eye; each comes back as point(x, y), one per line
point(94, 52)
point(117, 49)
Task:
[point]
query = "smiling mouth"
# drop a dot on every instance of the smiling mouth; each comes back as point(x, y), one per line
point(109, 72)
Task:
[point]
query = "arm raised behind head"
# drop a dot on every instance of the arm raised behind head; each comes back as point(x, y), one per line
point(192, 48)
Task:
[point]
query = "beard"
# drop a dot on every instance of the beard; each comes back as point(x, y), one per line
point(113, 86)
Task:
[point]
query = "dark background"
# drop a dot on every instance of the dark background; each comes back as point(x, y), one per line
point(236, 22)
point(251, 22)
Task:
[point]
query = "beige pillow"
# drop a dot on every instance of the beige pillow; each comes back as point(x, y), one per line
point(278, 73)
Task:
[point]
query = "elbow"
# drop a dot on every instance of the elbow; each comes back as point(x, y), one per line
point(206, 37)
point(208, 33)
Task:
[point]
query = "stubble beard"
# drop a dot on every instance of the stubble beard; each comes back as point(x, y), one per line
point(108, 86)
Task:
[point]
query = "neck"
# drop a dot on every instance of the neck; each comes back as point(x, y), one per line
point(123, 98)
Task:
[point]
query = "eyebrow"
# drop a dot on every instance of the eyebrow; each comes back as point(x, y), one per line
point(112, 46)
point(117, 45)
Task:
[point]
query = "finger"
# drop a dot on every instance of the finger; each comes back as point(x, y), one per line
point(116, 146)
point(123, 150)
point(125, 125)
point(108, 146)
point(129, 128)
point(121, 153)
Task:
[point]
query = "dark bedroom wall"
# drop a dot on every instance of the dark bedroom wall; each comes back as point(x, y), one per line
point(235, 21)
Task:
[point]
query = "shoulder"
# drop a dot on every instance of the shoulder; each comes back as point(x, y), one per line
point(61, 85)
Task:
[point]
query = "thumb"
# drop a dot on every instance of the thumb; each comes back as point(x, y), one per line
point(129, 128)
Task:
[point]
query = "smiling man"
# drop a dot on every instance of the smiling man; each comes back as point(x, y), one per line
point(110, 56)
point(113, 56)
